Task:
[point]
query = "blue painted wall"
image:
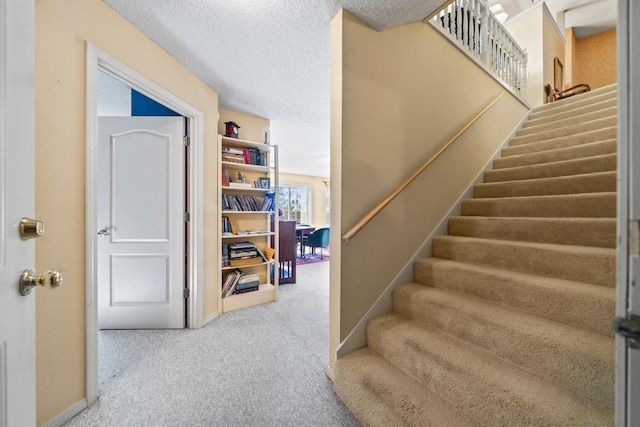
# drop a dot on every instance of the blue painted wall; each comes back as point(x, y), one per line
point(144, 106)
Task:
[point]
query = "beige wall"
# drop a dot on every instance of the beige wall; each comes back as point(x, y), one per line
point(526, 29)
point(318, 189)
point(553, 46)
point(536, 32)
point(62, 29)
point(595, 59)
point(397, 97)
point(251, 127)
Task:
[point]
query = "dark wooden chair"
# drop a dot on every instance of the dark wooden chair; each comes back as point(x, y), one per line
point(557, 94)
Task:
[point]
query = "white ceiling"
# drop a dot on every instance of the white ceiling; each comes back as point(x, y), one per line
point(587, 17)
point(270, 58)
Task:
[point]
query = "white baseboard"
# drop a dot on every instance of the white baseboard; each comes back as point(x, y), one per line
point(210, 318)
point(330, 373)
point(66, 415)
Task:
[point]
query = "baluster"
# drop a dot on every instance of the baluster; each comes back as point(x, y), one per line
point(458, 23)
point(474, 28)
point(465, 20)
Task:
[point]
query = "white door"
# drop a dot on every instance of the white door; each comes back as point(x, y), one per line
point(17, 317)
point(141, 244)
point(628, 282)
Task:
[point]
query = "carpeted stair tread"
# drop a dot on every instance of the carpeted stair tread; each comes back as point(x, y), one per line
point(461, 372)
point(585, 205)
point(563, 301)
point(600, 182)
point(379, 393)
point(577, 360)
point(579, 263)
point(509, 323)
point(592, 97)
point(601, 163)
point(558, 154)
point(576, 119)
point(565, 141)
point(599, 232)
point(552, 117)
point(565, 131)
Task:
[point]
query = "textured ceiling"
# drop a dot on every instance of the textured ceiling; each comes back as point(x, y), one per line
point(270, 58)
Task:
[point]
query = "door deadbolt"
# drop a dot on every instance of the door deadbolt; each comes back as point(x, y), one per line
point(29, 280)
point(31, 228)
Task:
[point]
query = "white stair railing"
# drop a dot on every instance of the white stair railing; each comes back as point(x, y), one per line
point(473, 28)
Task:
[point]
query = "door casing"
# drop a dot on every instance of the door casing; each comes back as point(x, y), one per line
point(628, 262)
point(98, 59)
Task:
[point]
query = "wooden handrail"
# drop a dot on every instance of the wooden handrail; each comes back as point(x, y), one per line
point(375, 211)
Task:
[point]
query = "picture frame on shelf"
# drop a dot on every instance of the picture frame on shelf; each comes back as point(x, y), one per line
point(264, 182)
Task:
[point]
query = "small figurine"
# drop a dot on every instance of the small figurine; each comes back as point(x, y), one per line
point(240, 177)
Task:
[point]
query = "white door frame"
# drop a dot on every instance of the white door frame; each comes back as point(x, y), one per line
point(628, 261)
point(99, 59)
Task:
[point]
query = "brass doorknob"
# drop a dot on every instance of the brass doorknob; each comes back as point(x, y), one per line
point(29, 280)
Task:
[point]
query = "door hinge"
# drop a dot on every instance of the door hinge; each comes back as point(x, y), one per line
point(186, 140)
point(634, 237)
point(186, 216)
point(186, 293)
point(629, 327)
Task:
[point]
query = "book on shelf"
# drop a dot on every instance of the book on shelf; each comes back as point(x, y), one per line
point(249, 285)
point(239, 185)
point(227, 226)
point(247, 156)
point(249, 278)
point(250, 232)
point(268, 253)
point(244, 203)
point(250, 289)
point(235, 282)
point(225, 255)
point(241, 245)
point(268, 202)
point(230, 281)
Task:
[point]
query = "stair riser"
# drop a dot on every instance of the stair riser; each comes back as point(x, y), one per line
point(574, 120)
point(592, 183)
point(565, 131)
point(551, 118)
point(590, 232)
point(377, 400)
point(563, 142)
point(603, 163)
point(577, 369)
point(570, 104)
point(561, 301)
point(589, 205)
point(431, 359)
point(557, 155)
point(589, 265)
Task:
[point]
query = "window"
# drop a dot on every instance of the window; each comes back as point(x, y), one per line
point(295, 203)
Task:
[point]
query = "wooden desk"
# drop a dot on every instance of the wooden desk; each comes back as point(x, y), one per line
point(302, 230)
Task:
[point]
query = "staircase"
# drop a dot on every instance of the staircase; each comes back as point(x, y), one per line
point(509, 323)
